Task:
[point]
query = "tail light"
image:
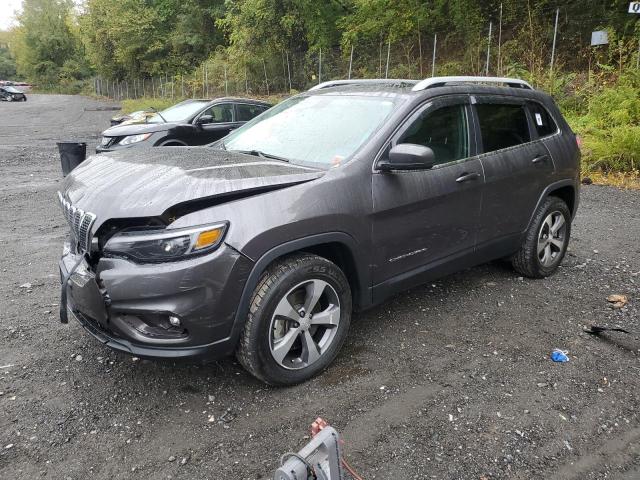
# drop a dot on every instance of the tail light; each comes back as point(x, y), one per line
point(579, 141)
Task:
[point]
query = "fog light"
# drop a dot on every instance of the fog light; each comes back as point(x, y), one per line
point(175, 321)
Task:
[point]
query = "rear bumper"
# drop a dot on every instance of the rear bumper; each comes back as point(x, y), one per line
point(127, 306)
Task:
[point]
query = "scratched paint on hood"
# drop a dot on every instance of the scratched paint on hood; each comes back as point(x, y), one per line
point(146, 182)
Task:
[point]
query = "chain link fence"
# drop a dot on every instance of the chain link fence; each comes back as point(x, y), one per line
point(499, 50)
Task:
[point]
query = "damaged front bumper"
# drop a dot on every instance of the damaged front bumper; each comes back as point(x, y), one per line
point(129, 306)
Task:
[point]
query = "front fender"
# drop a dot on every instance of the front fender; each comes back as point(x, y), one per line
point(292, 246)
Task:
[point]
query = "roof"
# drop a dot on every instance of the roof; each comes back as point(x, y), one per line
point(240, 100)
point(429, 87)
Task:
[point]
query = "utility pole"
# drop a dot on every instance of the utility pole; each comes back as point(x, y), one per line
point(206, 78)
point(350, 61)
point(500, 43)
point(553, 48)
point(420, 49)
point(266, 80)
point(288, 70)
point(320, 66)
point(226, 85)
point(386, 71)
point(433, 58)
point(486, 67)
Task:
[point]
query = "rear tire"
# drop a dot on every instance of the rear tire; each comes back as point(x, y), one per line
point(546, 240)
point(298, 320)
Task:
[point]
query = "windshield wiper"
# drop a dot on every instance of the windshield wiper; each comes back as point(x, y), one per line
point(155, 110)
point(258, 153)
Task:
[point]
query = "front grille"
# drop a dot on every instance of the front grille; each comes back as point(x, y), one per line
point(80, 223)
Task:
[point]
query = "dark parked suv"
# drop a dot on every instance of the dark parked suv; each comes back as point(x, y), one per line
point(263, 244)
point(192, 122)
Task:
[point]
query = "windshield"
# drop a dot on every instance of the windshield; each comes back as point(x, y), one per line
point(323, 130)
point(179, 112)
point(11, 90)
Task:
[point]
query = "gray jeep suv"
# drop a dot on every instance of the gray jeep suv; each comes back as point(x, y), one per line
point(264, 243)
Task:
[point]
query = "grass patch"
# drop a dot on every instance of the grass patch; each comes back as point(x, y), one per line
point(625, 180)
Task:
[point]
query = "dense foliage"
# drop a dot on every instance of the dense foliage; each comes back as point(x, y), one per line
point(199, 47)
point(609, 123)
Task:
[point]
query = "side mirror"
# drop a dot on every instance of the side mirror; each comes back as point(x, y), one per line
point(408, 156)
point(204, 119)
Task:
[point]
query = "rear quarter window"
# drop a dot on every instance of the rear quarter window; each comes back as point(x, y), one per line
point(543, 122)
point(502, 125)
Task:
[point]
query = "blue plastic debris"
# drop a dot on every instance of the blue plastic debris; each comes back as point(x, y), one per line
point(559, 356)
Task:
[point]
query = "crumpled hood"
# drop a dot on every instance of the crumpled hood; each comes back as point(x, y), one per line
point(147, 182)
point(137, 128)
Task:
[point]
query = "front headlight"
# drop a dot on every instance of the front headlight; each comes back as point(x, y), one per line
point(128, 140)
point(165, 245)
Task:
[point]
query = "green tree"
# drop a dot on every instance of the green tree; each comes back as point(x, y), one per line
point(7, 62)
point(44, 41)
point(134, 38)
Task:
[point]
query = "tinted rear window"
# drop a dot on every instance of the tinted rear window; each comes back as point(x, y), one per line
point(502, 125)
point(246, 112)
point(543, 122)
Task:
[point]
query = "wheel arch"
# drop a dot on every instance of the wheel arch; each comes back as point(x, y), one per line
point(567, 193)
point(337, 247)
point(172, 143)
point(566, 190)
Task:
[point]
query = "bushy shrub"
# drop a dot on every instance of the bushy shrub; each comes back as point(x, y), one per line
point(610, 129)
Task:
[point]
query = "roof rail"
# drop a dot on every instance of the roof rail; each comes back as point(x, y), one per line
point(442, 81)
point(363, 81)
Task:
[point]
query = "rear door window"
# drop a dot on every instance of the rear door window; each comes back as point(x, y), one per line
point(443, 130)
point(247, 112)
point(502, 125)
point(542, 121)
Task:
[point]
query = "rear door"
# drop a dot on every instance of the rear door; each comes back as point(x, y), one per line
point(422, 217)
point(517, 167)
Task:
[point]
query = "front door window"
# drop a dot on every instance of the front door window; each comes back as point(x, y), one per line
point(221, 113)
point(443, 130)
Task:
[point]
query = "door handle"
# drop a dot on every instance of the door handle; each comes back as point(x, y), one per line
point(468, 176)
point(540, 159)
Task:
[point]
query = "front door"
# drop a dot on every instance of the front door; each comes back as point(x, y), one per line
point(222, 122)
point(422, 218)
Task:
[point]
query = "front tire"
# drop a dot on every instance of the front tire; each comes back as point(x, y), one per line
point(546, 240)
point(298, 320)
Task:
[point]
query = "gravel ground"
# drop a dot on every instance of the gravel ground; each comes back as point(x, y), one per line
point(451, 380)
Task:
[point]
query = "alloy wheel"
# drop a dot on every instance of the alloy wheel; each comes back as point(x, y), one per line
point(551, 239)
point(304, 324)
